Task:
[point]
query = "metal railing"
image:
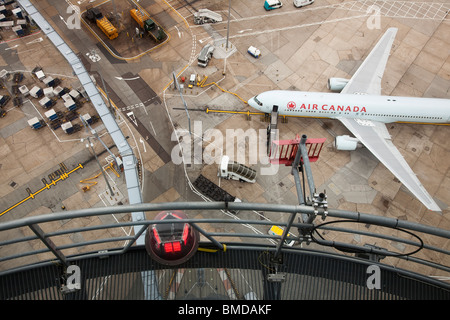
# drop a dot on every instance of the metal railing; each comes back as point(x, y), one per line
point(308, 232)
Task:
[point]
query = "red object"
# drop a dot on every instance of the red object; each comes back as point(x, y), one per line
point(284, 151)
point(172, 247)
point(174, 242)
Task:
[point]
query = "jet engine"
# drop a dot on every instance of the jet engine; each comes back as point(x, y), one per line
point(346, 143)
point(337, 84)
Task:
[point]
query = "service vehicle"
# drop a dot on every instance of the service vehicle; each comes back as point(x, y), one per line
point(205, 55)
point(254, 51)
point(302, 3)
point(235, 171)
point(272, 4)
point(148, 25)
point(192, 80)
point(206, 16)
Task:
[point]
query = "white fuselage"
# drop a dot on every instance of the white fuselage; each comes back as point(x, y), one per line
point(335, 105)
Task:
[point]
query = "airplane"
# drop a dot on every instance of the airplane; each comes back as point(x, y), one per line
point(360, 106)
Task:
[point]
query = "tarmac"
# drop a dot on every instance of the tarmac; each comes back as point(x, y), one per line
point(301, 49)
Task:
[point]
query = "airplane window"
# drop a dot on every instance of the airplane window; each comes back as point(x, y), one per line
point(257, 101)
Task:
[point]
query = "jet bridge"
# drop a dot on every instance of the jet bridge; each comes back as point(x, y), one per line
point(272, 128)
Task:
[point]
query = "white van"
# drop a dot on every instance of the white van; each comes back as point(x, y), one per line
point(192, 80)
point(254, 52)
point(302, 3)
point(272, 4)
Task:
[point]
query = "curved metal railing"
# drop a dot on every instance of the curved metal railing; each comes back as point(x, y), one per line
point(54, 243)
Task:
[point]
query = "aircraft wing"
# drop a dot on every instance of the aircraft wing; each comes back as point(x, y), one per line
point(367, 79)
point(375, 136)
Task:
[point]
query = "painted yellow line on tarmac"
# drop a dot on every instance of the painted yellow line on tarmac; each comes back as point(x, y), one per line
point(237, 112)
point(32, 195)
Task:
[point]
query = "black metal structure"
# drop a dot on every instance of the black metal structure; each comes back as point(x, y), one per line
point(303, 274)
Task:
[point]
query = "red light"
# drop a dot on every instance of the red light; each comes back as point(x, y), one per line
point(168, 247)
point(176, 215)
point(155, 233)
point(176, 246)
point(172, 247)
point(185, 233)
point(174, 242)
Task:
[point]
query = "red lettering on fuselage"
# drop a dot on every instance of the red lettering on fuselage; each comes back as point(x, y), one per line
point(325, 107)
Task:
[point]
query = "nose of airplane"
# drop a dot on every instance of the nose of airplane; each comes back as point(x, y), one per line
point(252, 103)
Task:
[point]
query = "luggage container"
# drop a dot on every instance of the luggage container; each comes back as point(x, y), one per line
point(67, 127)
point(18, 13)
point(4, 100)
point(46, 102)
point(70, 104)
point(58, 91)
point(87, 118)
point(18, 30)
point(75, 94)
point(7, 24)
point(24, 90)
point(49, 81)
point(66, 97)
point(35, 123)
point(48, 92)
point(51, 115)
point(40, 75)
point(36, 92)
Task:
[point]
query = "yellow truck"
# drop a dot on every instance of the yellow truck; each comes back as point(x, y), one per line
point(94, 15)
point(147, 24)
point(106, 26)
